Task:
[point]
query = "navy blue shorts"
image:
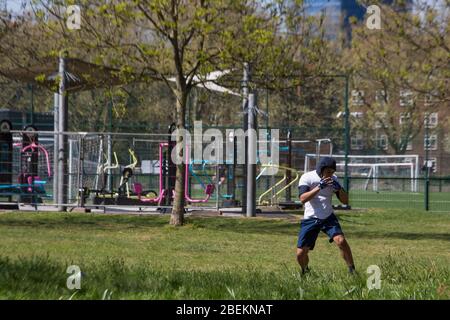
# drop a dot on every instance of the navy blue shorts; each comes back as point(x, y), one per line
point(310, 228)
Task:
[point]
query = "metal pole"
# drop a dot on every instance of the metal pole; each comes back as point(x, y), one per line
point(55, 145)
point(70, 170)
point(268, 135)
point(62, 115)
point(80, 171)
point(318, 143)
point(347, 136)
point(231, 175)
point(289, 164)
point(267, 109)
point(416, 173)
point(245, 101)
point(427, 172)
point(217, 187)
point(251, 157)
point(99, 164)
point(109, 146)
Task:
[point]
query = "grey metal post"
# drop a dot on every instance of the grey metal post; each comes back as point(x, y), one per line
point(251, 157)
point(55, 146)
point(289, 164)
point(70, 169)
point(62, 140)
point(318, 143)
point(110, 151)
point(245, 98)
point(427, 168)
point(80, 176)
point(347, 136)
point(99, 164)
point(217, 186)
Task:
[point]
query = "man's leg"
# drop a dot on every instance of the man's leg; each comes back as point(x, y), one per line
point(309, 230)
point(346, 252)
point(302, 258)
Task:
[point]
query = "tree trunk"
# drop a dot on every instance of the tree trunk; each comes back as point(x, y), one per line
point(177, 216)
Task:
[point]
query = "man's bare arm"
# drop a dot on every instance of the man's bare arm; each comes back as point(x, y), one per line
point(305, 197)
point(342, 196)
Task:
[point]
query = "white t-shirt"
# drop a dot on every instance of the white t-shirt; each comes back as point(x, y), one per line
point(320, 206)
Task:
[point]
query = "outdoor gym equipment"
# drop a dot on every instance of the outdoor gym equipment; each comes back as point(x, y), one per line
point(165, 193)
point(106, 167)
point(162, 192)
point(209, 180)
point(102, 194)
point(6, 149)
point(127, 173)
point(29, 183)
point(209, 187)
point(124, 196)
point(34, 146)
point(273, 199)
point(272, 195)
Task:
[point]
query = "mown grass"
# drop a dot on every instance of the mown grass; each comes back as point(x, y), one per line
point(142, 257)
point(438, 201)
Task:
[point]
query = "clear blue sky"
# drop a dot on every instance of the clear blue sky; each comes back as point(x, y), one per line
point(14, 5)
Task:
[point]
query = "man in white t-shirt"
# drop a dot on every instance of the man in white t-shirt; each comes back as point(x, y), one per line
point(316, 189)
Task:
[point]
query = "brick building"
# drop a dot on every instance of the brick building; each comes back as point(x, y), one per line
point(432, 140)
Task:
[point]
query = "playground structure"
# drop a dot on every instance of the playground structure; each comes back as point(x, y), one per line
point(82, 178)
point(77, 173)
point(123, 172)
point(135, 170)
point(23, 157)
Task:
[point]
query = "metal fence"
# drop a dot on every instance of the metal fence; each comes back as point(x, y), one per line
point(100, 168)
point(396, 193)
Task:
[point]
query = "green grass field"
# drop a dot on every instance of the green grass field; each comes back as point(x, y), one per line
point(439, 201)
point(142, 257)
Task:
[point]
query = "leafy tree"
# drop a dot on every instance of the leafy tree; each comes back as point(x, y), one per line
point(174, 42)
point(169, 40)
point(403, 70)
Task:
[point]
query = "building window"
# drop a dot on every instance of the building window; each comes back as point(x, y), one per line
point(381, 97)
point(357, 98)
point(382, 142)
point(431, 99)
point(430, 143)
point(432, 120)
point(432, 164)
point(357, 142)
point(409, 143)
point(409, 146)
point(406, 98)
point(380, 119)
point(357, 115)
point(405, 118)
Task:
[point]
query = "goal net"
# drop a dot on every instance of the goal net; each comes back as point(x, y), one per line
point(367, 170)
